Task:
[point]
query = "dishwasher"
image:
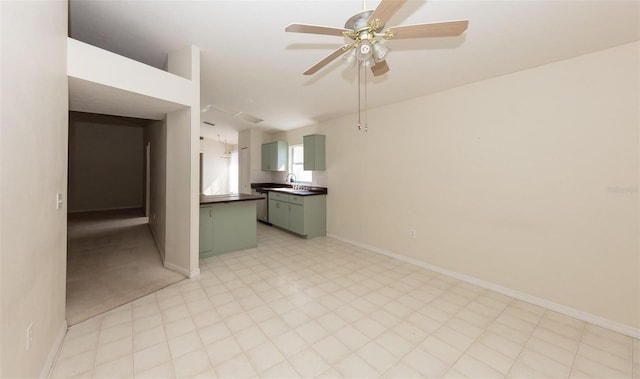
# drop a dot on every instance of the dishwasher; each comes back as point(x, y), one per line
point(262, 206)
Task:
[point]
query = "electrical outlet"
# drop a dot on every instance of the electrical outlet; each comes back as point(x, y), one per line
point(412, 233)
point(29, 336)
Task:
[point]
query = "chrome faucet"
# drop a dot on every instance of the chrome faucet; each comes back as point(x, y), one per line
point(291, 178)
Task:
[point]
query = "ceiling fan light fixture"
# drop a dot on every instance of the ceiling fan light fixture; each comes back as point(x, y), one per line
point(380, 51)
point(364, 50)
point(350, 57)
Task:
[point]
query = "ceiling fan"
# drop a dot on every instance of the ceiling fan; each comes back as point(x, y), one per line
point(367, 27)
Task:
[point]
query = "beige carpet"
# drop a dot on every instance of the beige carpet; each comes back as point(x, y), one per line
point(111, 260)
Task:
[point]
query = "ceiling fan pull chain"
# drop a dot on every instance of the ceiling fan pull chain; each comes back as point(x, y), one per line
point(366, 104)
point(359, 101)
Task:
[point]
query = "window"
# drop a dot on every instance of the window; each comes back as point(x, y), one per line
point(296, 164)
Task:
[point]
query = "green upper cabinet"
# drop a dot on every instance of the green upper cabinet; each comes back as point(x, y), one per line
point(274, 156)
point(314, 152)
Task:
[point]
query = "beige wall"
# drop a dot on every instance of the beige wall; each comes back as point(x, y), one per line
point(215, 170)
point(34, 119)
point(252, 140)
point(528, 181)
point(105, 162)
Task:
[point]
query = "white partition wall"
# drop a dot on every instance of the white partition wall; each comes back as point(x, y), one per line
point(107, 83)
point(183, 146)
point(33, 167)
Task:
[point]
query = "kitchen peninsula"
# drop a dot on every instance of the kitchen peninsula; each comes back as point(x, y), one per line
point(227, 223)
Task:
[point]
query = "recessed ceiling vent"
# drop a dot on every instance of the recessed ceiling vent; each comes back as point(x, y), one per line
point(233, 112)
point(248, 117)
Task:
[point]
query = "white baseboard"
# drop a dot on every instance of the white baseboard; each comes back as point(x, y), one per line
point(106, 209)
point(575, 313)
point(187, 273)
point(53, 353)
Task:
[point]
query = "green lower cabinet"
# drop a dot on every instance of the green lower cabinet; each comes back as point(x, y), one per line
point(303, 215)
point(279, 213)
point(226, 227)
point(206, 227)
point(296, 218)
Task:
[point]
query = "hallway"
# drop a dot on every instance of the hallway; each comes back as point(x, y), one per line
point(112, 259)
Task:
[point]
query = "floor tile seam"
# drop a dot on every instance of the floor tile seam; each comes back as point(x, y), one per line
point(524, 345)
point(495, 351)
point(118, 356)
point(602, 363)
point(449, 317)
point(65, 341)
point(537, 323)
point(290, 362)
point(165, 321)
point(166, 342)
point(242, 350)
point(432, 334)
point(170, 362)
point(560, 334)
point(396, 360)
point(635, 355)
point(59, 357)
point(607, 351)
point(192, 315)
point(575, 356)
point(201, 345)
point(95, 349)
point(417, 347)
point(543, 353)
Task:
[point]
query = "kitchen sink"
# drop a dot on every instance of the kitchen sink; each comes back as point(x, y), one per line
point(294, 191)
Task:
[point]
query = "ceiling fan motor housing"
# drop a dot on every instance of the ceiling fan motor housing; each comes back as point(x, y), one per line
point(359, 20)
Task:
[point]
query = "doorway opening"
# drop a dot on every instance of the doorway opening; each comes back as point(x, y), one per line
point(112, 256)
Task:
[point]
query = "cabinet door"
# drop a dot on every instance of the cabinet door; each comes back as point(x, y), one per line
point(206, 230)
point(265, 157)
point(314, 152)
point(274, 156)
point(280, 155)
point(234, 226)
point(279, 213)
point(296, 218)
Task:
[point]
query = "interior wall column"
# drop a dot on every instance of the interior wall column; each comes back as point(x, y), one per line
point(182, 193)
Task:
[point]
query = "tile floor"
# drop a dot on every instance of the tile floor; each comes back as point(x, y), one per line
point(322, 308)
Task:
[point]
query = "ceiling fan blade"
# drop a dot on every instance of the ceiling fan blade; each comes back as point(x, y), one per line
point(330, 58)
point(316, 29)
point(380, 68)
point(385, 10)
point(436, 29)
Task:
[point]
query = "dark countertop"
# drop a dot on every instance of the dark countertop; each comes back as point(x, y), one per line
point(213, 199)
point(285, 188)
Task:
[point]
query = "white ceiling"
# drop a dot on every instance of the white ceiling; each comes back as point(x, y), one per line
point(250, 64)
